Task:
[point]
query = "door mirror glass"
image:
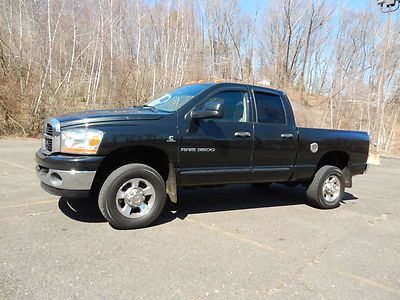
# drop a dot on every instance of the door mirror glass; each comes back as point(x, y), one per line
point(211, 110)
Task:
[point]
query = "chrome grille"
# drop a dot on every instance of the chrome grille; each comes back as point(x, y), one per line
point(51, 136)
point(49, 129)
point(48, 143)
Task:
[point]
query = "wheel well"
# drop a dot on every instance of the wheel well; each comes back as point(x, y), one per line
point(338, 159)
point(151, 156)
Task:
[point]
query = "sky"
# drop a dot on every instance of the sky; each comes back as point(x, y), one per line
point(251, 5)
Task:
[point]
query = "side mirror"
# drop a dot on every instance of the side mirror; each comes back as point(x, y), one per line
point(211, 110)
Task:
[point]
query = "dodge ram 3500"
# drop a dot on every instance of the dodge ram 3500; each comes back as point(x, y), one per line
point(197, 135)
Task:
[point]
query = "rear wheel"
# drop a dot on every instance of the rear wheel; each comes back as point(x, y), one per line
point(132, 196)
point(327, 188)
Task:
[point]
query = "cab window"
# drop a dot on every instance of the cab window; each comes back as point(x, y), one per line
point(270, 109)
point(235, 106)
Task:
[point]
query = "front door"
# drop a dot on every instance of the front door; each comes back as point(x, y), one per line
point(218, 151)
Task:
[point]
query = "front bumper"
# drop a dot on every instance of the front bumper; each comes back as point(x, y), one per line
point(67, 175)
point(67, 180)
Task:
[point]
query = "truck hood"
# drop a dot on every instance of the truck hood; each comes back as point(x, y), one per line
point(124, 114)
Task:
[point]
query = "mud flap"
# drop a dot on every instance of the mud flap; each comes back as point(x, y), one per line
point(348, 179)
point(171, 184)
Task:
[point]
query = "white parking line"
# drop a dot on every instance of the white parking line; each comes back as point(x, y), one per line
point(234, 236)
point(32, 214)
point(29, 204)
point(368, 281)
point(16, 165)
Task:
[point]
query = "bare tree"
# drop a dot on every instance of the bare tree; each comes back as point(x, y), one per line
point(57, 56)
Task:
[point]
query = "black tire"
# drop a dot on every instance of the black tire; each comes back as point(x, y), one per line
point(261, 185)
point(107, 196)
point(315, 191)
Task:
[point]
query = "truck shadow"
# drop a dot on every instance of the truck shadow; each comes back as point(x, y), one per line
point(202, 200)
point(81, 209)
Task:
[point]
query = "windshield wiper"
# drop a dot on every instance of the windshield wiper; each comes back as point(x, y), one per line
point(151, 107)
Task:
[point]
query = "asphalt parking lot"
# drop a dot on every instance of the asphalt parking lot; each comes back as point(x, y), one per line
point(235, 241)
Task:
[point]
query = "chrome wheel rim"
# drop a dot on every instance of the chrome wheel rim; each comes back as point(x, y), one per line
point(331, 188)
point(135, 198)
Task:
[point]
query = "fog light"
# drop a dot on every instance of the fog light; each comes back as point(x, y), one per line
point(56, 179)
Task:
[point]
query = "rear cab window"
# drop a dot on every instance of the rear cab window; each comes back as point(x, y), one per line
point(270, 109)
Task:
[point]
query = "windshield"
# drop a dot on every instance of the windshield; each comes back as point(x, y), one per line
point(177, 98)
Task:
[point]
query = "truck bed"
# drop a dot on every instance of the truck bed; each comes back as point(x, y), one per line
point(354, 143)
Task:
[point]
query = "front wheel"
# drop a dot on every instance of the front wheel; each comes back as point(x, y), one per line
point(327, 188)
point(132, 196)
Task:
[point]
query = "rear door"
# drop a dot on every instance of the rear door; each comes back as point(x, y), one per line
point(275, 138)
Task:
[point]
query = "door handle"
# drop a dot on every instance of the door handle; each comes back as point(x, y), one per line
point(286, 135)
point(242, 134)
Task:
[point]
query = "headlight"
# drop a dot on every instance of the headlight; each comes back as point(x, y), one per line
point(81, 141)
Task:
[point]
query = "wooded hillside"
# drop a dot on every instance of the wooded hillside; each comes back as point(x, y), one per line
point(58, 56)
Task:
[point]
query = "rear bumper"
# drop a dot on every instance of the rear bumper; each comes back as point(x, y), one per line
point(67, 175)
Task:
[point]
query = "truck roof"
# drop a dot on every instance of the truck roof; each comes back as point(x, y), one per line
point(211, 83)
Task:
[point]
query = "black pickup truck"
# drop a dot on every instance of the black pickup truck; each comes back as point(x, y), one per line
point(202, 134)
